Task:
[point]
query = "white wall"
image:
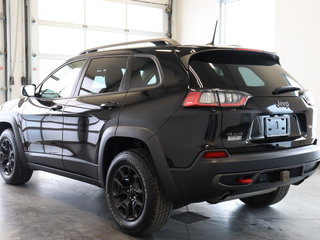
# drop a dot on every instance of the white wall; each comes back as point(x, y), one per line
point(298, 42)
point(194, 20)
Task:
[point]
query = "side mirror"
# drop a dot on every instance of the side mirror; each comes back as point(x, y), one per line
point(29, 90)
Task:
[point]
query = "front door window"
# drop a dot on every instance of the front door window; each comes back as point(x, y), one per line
point(61, 83)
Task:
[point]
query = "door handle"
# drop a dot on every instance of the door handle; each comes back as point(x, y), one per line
point(109, 105)
point(56, 107)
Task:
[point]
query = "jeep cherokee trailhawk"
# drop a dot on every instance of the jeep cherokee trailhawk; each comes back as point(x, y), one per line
point(163, 126)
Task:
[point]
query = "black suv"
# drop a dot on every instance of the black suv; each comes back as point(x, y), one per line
point(164, 126)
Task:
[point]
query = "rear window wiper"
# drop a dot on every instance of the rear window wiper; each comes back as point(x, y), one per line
point(285, 89)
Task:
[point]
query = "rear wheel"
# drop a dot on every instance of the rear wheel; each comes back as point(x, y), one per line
point(267, 199)
point(12, 169)
point(135, 196)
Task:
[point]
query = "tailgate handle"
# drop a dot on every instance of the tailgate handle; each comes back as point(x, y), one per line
point(109, 105)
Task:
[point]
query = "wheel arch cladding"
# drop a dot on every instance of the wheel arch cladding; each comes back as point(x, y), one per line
point(8, 122)
point(115, 140)
point(4, 126)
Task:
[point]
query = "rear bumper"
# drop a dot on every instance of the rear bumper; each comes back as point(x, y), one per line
point(217, 179)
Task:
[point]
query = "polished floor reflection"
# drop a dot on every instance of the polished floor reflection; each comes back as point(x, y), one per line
point(53, 207)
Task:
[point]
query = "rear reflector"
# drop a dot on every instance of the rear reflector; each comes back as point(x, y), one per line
point(218, 154)
point(245, 181)
point(215, 98)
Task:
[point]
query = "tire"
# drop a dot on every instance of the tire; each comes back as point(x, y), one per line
point(12, 169)
point(135, 197)
point(267, 199)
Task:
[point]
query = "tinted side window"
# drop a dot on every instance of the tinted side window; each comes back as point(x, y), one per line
point(144, 73)
point(104, 75)
point(60, 83)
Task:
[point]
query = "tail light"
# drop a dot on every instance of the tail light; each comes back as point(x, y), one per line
point(216, 98)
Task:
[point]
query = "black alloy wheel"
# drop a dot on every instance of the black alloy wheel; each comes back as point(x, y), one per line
point(13, 167)
point(7, 157)
point(128, 193)
point(135, 197)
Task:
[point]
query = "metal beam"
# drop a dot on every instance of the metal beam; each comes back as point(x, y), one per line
point(7, 46)
point(169, 12)
point(27, 35)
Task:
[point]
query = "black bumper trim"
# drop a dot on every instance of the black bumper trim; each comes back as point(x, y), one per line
point(275, 175)
point(200, 181)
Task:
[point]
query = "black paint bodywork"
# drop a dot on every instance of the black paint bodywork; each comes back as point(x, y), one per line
point(80, 139)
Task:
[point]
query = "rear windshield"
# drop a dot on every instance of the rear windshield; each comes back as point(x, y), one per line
point(255, 73)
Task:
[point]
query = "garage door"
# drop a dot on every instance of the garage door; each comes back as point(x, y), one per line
point(63, 28)
point(2, 60)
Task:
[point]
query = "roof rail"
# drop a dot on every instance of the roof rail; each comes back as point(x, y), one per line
point(155, 41)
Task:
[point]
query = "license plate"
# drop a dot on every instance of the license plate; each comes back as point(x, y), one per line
point(277, 126)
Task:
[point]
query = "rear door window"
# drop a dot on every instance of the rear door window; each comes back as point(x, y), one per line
point(144, 73)
point(257, 74)
point(104, 75)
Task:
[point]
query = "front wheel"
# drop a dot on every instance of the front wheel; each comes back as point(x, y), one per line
point(135, 196)
point(12, 169)
point(267, 199)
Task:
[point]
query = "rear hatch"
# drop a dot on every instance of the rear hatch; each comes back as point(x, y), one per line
point(263, 107)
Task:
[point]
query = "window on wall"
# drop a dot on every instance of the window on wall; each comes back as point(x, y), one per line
point(58, 35)
point(248, 23)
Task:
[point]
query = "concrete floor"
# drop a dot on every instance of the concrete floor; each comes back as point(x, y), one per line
point(53, 207)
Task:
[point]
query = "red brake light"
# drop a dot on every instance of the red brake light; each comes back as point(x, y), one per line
point(217, 154)
point(223, 98)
